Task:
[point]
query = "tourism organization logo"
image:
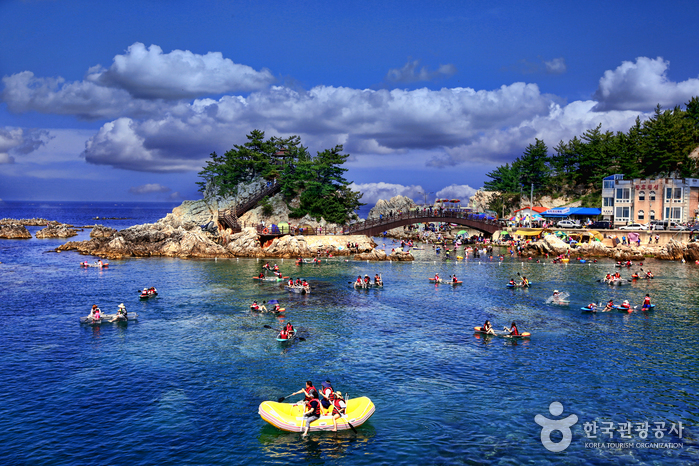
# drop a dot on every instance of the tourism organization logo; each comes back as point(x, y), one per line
point(607, 431)
point(549, 426)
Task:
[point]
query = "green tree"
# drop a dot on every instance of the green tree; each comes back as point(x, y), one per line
point(504, 178)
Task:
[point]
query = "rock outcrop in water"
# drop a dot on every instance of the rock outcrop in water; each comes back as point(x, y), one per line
point(100, 231)
point(14, 231)
point(56, 231)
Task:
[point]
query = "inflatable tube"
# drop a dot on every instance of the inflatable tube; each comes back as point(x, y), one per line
point(288, 417)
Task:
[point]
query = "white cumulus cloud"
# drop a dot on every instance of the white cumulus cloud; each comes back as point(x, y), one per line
point(372, 192)
point(148, 73)
point(641, 85)
point(149, 189)
point(456, 191)
point(556, 66)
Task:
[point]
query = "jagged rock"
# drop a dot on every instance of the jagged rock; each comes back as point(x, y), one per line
point(288, 247)
point(56, 231)
point(673, 250)
point(14, 231)
point(374, 255)
point(244, 244)
point(395, 204)
point(550, 244)
point(625, 253)
point(401, 256)
point(692, 252)
point(152, 239)
point(34, 222)
point(593, 249)
point(100, 231)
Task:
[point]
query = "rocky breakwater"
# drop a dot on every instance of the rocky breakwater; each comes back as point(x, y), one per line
point(673, 250)
point(151, 239)
point(14, 231)
point(56, 231)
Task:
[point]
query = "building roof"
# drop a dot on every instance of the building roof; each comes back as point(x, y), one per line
point(567, 211)
point(536, 209)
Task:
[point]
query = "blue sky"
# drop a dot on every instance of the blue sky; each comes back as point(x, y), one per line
point(124, 101)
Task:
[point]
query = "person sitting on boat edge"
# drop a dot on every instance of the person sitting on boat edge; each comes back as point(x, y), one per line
point(436, 277)
point(488, 328)
point(339, 408)
point(513, 329)
point(94, 311)
point(261, 275)
point(327, 394)
point(454, 279)
point(152, 290)
point(377, 280)
point(309, 392)
point(512, 282)
point(121, 313)
point(283, 334)
point(144, 292)
point(291, 281)
point(646, 303)
point(312, 413)
point(366, 280)
point(592, 306)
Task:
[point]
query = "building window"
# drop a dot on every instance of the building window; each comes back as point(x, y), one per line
point(652, 214)
point(622, 213)
point(623, 194)
point(651, 196)
point(608, 184)
point(673, 213)
point(608, 202)
point(642, 196)
point(641, 215)
point(678, 193)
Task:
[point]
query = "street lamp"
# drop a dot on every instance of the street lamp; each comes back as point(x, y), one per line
point(425, 195)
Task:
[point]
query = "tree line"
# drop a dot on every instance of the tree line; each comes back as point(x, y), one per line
point(657, 147)
point(318, 181)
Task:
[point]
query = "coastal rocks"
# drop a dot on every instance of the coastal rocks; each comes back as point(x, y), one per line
point(155, 239)
point(395, 204)
point(14, 231)
point(551, 244)
point(100, 231)
point(288, 247)
point(401, 256)
point(374, 255)
point(593, 249)
point(33, 222)
point(56, 231)
point(673, 250)
point(244, 244)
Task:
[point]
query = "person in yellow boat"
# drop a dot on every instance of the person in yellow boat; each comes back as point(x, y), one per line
point(311, 414)
point(339, 408)
point(309, 392)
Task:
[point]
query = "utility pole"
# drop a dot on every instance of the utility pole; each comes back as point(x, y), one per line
point(531, 205)
point(425, 195)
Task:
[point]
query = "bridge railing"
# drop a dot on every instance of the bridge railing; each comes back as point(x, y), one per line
point(230, 220)
point(445, 216)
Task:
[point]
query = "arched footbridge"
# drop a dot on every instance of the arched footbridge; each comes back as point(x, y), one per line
point(375, 227)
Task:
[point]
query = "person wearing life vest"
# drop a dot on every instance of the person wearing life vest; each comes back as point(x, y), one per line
point(276, 268)
point(366, 280)
point(298, 282)
point(488, 328)
point(261, 275)
point(635, 276)
point(649, 274)
point(513, 329)
point(121, 313)
point(609, 306)
point(284, 335)
point(309, 393)
point(608, 278)
point(144, 292)
point(512, 282)
point(358, 283)
point(436, 277)
point(377, 280)
point(93, 311)
point(617, 276)
point(525, 282)
point(327, 395)
point(254, 306)
point(454, 279)
point(592, 307)
point(339, 407)
point(312, 413)
point(277, 308)
point(290, 328)
point(626, 305)
point(291, 282)
point(646, 303)
point(266, 266)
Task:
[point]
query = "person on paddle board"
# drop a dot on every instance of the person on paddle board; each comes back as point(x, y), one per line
point(513, 329)
point(646, 303)
point(339, 408)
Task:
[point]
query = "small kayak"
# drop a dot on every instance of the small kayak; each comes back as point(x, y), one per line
point(623, 309)
point(297, 289)
point(106, 318)
point(289, 417)
point(588, 309)
point(502, 334)
point(291, 338)
point(454, 283)
point(516, 285)
point(652, 308)
point(270, 279)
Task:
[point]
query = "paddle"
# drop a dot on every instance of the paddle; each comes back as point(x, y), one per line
point(279, 400)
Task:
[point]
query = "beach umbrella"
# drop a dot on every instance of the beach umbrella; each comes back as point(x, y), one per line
point(455, 201)
point(462, 232)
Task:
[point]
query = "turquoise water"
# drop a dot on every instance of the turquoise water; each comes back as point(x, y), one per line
point(182, 385)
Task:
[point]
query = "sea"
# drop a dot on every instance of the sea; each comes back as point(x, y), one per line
point(182, 384)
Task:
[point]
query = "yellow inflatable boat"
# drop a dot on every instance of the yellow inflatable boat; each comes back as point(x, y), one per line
point(289, 417)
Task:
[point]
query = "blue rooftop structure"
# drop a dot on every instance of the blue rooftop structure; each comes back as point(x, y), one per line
point(568, 211)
